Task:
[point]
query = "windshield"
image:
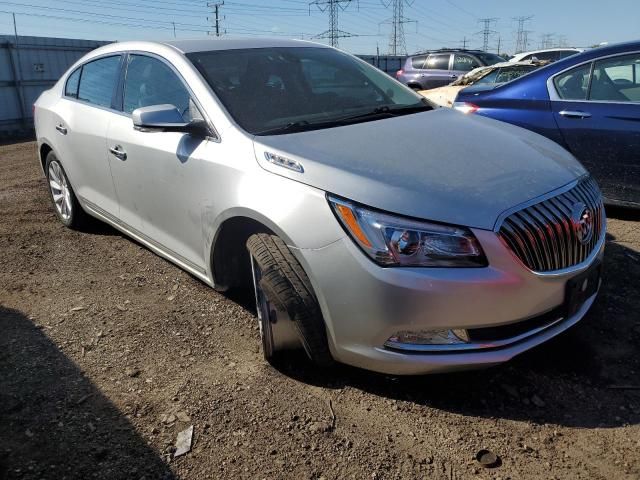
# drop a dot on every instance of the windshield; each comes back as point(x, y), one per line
point(490, 58)
point(267, 89)
point(506, 74)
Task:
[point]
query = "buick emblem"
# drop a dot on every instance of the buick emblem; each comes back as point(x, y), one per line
point(582, 221)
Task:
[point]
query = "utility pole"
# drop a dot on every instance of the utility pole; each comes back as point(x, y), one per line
point(17, 73)
point(521, 35)
point(486, 31)
point(397, 41)
point(216, 19)
point(499, 43)
point(464, 43)
point(333, 6)
point(174, 29)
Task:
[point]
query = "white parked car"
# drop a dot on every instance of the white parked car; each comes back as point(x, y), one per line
point(549, 54)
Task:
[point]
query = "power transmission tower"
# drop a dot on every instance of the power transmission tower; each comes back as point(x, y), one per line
point(546, 40)
point(486, 31)
point(333, 6)
point(525, 40)
point(216, 19)
point(521, 35)
point(397, 41)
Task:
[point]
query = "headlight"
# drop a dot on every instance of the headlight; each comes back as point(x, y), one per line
point(395, 241)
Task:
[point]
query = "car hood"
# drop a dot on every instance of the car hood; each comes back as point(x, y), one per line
point(439, 165)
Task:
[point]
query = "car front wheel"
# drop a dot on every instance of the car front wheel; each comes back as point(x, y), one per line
point(288, 313)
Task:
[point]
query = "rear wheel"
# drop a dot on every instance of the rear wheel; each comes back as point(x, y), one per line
point(66, 205)
point(288, 313)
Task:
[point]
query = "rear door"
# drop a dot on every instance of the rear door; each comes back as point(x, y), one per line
point(84, 114)
point(437, 71)
point(597, 108)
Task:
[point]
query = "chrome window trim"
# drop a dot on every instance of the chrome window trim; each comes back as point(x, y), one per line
point(553, 93)
point(125, 53)
point(91, 60)
point(216, 136)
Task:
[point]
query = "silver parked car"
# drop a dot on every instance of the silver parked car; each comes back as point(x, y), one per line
point(376, 231)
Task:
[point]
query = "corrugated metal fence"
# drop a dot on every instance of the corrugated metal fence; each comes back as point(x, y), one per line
point(29, 68)
point(387, 63)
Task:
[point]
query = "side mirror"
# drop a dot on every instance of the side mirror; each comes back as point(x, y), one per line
point(166, 118)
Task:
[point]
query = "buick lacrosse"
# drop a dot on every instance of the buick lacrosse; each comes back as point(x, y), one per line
point(376, 231)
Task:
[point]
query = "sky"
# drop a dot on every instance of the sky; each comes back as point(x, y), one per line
point(430, 23)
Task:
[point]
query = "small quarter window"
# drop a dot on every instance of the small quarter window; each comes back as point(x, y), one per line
point(71, 89)
point(574, 84)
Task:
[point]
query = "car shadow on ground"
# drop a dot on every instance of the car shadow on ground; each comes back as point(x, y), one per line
point(585, 377)
point(54, 422)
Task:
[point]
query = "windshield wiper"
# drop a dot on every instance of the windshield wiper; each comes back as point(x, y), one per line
point(290, 127)
point(385, 111)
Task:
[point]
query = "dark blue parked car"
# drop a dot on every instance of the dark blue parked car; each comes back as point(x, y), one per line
point(589, 103)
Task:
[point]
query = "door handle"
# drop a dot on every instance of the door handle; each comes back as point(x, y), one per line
point(454, 76)
point(117, 151)
point(574, 114)
point(61, 128)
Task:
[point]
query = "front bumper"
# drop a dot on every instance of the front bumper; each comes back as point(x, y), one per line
point(364, 305)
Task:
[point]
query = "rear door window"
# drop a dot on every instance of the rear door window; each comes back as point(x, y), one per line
point(438, 61)
point(616, 79)
point(98, 81)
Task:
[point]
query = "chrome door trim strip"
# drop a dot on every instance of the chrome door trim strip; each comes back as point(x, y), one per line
point(156, 247)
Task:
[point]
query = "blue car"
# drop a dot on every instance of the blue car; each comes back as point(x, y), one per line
point(589, 103)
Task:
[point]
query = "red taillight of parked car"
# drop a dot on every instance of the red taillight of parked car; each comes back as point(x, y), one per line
point(466, 107)
point(399, 72)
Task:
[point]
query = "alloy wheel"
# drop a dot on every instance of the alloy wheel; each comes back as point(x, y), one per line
point(60, 191)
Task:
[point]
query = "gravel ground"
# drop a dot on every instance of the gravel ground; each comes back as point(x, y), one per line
point(107, 352)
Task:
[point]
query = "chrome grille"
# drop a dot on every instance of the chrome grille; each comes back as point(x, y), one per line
point(544, 235)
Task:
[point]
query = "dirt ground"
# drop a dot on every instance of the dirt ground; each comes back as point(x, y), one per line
point(107, 352)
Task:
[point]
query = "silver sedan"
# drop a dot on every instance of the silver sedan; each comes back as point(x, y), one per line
point(376, 230)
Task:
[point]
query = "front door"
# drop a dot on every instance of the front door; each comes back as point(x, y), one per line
point(598, 114)
point(157, 174)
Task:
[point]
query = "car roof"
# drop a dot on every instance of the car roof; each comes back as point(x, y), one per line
point(234, 43)
point(447, 50)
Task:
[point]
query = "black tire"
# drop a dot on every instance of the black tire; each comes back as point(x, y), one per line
point(76, 218)
point(287, 286)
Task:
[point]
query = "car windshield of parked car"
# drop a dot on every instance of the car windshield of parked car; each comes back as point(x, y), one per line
point(283, 89)
point(490, 58)
point(506, 74)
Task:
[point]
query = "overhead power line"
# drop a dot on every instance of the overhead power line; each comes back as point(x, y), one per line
point(332, 6)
